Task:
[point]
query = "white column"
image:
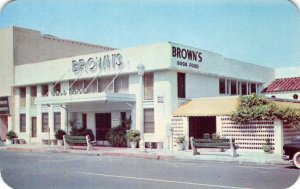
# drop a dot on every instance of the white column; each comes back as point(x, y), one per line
point(28, 116)
point(133, 117)
point(51, 121)
point(278, 136)
point(63, 121)
point(39, 115)
point(17, 111)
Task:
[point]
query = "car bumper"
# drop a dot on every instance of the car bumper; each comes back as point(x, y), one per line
point(285, 157)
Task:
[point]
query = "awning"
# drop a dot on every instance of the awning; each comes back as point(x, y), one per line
point(216, 106)
point(207, 107)
point(86, 98)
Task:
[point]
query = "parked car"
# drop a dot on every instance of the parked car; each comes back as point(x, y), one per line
point(292, 152)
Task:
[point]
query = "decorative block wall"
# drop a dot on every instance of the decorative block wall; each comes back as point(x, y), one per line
point(180, 128)
point(248, 136)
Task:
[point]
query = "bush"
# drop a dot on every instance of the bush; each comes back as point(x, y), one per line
point(133, 135)
point(256, 107)
point(59, 134)
point(11, 135)
point(116, 136)
point(180, 139)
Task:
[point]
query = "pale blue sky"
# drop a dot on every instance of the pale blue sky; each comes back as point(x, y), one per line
point(264, 32)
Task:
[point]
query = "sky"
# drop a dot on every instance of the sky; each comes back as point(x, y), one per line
point(263, 32)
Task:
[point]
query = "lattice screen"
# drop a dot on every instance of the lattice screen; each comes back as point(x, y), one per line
point(180, 127)
point(248, 136)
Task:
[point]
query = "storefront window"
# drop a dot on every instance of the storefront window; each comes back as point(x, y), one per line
point(56, 121)
point(148, 86)
point(149, 120)
point(222, 86)
point(121, 84)
point(103, 83)
point(23, 123)
point(45, 122)
point(90, 86)
point(181, 85)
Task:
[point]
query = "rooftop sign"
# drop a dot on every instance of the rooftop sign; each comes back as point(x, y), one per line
point(186, 57)
point(103, 63)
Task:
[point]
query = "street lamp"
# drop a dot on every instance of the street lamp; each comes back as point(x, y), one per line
point(141, 71)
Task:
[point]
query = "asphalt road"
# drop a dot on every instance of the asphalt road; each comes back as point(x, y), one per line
point(59, 170)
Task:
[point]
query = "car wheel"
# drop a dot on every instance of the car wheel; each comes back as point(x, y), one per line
point(296, 160)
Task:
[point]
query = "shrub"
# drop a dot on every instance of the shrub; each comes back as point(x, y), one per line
point(180, 139)
point(133, 135)
point(254, 107)
point(116, 136)
point(59, 134)
point(11, 135)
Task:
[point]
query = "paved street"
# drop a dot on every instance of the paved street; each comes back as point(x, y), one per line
point(59, 170)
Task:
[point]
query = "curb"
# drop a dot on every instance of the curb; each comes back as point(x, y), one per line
point(147, 156)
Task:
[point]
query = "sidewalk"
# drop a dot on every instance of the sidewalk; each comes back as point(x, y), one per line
point(158, 154)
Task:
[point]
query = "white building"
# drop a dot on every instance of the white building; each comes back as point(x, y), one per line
point(20, 46)
point(103, 88)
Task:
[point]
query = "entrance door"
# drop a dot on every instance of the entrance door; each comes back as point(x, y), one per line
point(103, 124)
point(200, 125)
point(33, 127)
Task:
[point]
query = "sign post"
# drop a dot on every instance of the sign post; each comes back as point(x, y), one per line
point(4, 106)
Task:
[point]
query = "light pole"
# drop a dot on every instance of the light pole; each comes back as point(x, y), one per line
point(141, 71)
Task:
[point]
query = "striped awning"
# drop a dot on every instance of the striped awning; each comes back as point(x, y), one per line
point(216, 106)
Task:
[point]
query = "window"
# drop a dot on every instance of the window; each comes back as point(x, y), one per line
point(103, 83)
point(93, 86)
point(22, 96)
point(121, 84)
point(45, 122)
point(253, 88)
point(149, 120)
point(57, 87)
point(148, 86)
point(23, 123)
point(181, 85)
point(233, 87)
point(44, 90)
point(222, 86)
point(76, 87)
point(56, 121)
point(295, 96)
point(244, 88)
point(32, 94)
